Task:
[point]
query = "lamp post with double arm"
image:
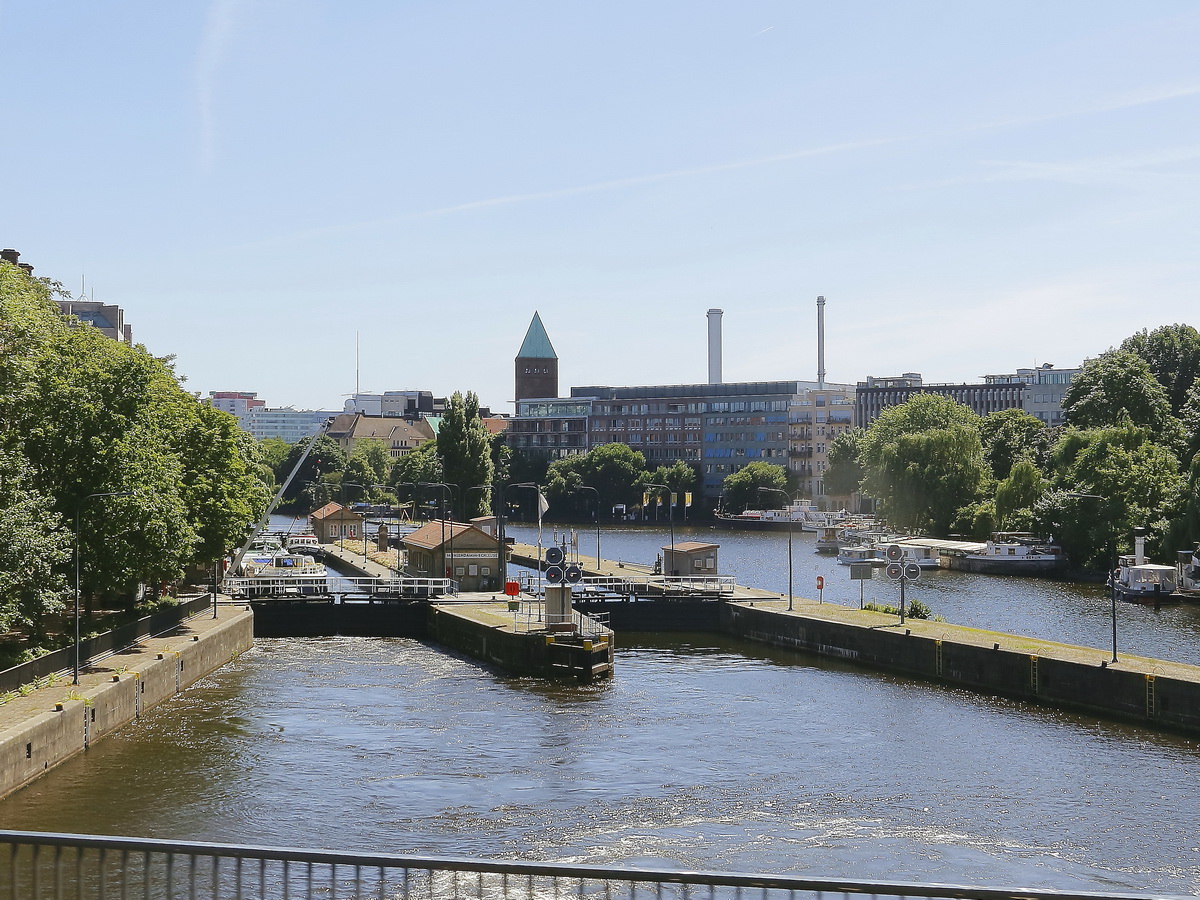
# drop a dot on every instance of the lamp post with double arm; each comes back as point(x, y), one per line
point(670, 518)
point(596, 515)
point(771, 490)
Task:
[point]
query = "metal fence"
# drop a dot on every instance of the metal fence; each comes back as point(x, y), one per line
point(35, 866)
point(104, 644)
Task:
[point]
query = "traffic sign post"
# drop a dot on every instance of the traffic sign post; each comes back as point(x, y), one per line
point(901, 568)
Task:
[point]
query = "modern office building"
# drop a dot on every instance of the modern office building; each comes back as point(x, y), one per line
point(1037, 391)
point(287, 424)
point(239, 403)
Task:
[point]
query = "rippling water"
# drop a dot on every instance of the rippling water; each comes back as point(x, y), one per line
point(703, 752)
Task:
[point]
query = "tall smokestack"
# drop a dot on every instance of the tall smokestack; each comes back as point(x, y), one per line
point(820, 342)
point(714, 346)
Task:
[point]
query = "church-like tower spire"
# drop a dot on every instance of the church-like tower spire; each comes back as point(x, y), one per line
point(536, 364)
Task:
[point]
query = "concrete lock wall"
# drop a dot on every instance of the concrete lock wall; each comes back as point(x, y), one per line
point(516, 653)
point(1126, 693)
point(34, 745)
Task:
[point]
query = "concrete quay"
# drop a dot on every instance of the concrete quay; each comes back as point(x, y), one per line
point(58, 719)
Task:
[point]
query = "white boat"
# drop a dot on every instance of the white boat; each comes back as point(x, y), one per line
point(267, 569)
point(862, 553)
point(299, 543)
point(1143, 582)
point(800, 515)
point(827, 539)
point(925, 556)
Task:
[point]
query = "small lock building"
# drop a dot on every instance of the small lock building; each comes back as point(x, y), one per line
point(465, 553)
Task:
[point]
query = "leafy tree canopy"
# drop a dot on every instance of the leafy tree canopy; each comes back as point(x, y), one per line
point(1118, 385)
point(1007, 436)
point(616, 471)
point(740, 490)
point(923, 460)
point(1173, 354)
point(465, 449)
point(845, 470)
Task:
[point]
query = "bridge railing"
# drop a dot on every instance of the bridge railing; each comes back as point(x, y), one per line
point(36, 865)
point(660, 585)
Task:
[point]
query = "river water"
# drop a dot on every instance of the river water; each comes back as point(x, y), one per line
point(702, 752)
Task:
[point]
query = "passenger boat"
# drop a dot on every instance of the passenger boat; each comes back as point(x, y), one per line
point(267, 569)
point(799, 515)
point(1005, 553)
point(305, 542)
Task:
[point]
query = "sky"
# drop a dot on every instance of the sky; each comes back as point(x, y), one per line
point(306, 198)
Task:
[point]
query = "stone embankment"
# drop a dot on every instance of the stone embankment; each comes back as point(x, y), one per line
point(57, 719)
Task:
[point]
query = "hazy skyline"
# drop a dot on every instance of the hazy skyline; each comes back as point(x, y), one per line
point(973, 188)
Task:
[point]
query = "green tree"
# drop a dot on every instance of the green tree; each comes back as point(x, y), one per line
point(679, 478)
point(465, 449)
point(1173, 354)
point(1017, 494)
point(1009, 435)
point(325, 462)
point(1116, 385)
point(845, 471)
point(35, 550)
point(739, 490)
point(1138, 484)
point(616, 471)
point(923, 460)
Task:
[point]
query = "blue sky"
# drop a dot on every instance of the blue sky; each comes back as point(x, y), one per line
point(973, 187)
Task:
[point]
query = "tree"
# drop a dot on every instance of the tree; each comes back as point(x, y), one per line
point(1017, 494)
point(740, 489)
point(1007, 436)
point(845, 471)
point(324, 460)
point(616, 471)
point(1119, 384)
point(376, 460)
point(465, 449)
point(35, 549)
point(923, 460)
point(418, 466)
point(1172, 353)
point(678, 477)
point(1137, 482)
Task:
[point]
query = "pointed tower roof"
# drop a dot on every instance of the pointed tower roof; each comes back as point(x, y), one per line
point(536, 344)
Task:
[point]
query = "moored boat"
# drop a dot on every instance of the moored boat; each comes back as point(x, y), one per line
point(1142, 582)
point(1006, 553)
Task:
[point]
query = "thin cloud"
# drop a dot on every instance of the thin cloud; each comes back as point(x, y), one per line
point(1126, 100)
point(636, 180)
point(1126, 169)
point(595, 187)
point(218, 26)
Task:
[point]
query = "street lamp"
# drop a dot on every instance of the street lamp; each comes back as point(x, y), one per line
point(538, 489)
point(344, 485)
point(771, 490)
point(1112, 588)
point(670, 515)
point(78, 513)
point(596, 513)
point(497, 490)
point(445, 489)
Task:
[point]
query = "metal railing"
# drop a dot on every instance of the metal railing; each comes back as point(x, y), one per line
point(341, 585)
point(35, 866)
point(648, 585)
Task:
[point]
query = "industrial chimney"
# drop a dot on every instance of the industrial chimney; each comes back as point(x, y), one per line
point(820, 342)
point(714, 346)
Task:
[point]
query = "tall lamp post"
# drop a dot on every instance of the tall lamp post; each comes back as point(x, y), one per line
point(771, 490)
point(446, 489)
point(1112, 547)
point(538, 489)
point(78, 515)
point(596, 514)
point(670, 515)
point(343, 486)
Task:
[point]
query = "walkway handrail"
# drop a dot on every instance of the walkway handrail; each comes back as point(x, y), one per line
point(125, 864)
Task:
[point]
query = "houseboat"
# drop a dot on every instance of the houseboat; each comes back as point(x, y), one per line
point(1006, 553)
point(1137, 581)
